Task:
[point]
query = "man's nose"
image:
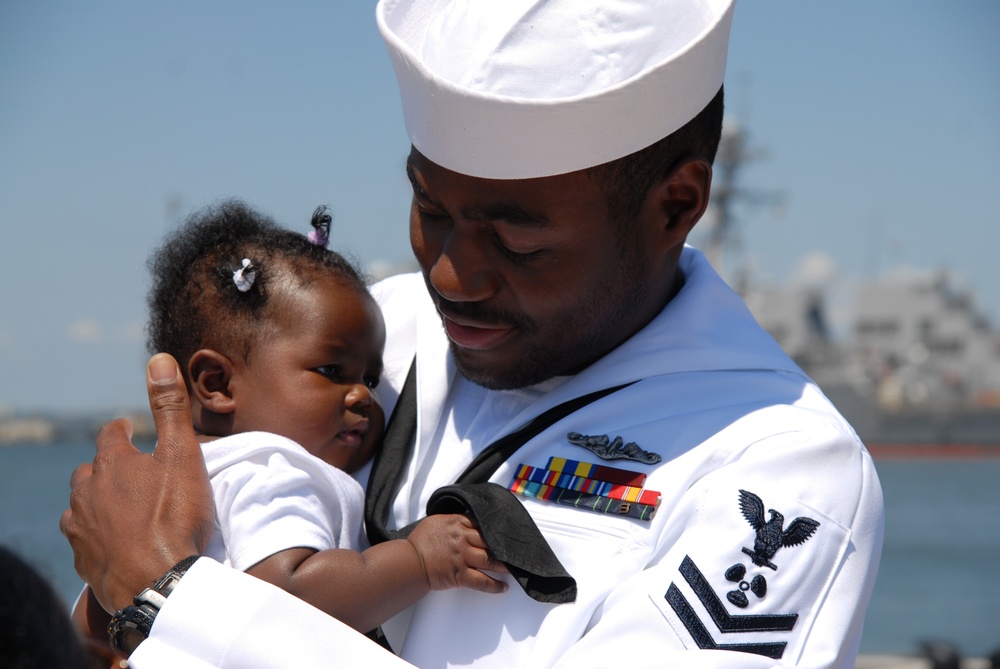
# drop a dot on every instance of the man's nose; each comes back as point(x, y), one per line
point(463, 271)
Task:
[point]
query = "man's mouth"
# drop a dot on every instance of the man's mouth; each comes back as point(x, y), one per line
point(474, 335)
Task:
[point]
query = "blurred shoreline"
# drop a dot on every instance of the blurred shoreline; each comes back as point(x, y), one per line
point(46, 428)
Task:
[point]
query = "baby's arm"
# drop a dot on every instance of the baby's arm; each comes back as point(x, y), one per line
point(90, 619)
point(365, 589)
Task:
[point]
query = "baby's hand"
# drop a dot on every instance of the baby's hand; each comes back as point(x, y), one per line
point(453, 552)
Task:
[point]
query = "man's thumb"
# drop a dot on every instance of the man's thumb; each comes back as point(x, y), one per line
point(168, 400)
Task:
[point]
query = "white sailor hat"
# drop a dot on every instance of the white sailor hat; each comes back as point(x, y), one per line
point(515, 89)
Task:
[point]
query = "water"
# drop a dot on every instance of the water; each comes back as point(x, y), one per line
point(939, 579)
point(940, 573)
point(34, 491)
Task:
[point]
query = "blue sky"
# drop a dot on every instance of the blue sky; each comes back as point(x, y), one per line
point(876, 123)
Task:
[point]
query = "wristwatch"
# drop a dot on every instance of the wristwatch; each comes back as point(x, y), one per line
point(130, 626)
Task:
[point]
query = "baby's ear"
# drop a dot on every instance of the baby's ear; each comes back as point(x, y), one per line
point(210, 373)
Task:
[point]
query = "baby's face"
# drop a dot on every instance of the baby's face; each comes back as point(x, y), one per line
point(313, 379)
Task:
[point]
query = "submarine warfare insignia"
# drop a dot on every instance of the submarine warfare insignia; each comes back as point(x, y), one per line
point(770, 535)
point(588, 486)
point(607, 449)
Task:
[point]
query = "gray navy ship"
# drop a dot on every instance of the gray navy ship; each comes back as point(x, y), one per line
point(916, 370)
point(918, 365)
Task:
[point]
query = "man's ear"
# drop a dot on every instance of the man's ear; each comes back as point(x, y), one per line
point(210, 373)
point(679, 200)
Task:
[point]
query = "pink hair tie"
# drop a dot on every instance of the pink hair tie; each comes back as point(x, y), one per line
point(321, 221)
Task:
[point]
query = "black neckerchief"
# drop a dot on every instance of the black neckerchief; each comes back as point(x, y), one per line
point(509, 531)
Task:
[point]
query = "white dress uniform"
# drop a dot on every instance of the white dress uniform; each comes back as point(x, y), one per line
point(762, 551)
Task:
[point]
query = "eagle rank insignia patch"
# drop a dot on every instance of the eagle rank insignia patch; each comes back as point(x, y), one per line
point(707, 618)
point(770, 534)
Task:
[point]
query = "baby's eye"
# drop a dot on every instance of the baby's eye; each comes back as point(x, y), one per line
point(329, 371)
point(372, 382)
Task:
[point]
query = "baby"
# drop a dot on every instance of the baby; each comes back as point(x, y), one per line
point(281, 348)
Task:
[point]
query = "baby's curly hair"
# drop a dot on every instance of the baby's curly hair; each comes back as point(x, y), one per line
point(194, 301)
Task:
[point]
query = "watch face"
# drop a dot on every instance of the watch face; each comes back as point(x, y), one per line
point(130, 627)
point(130, 640)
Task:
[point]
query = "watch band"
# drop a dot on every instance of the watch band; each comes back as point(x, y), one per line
point(131, 625)
point(169, 580)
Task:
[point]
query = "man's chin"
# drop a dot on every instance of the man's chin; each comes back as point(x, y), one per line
point(496, 375)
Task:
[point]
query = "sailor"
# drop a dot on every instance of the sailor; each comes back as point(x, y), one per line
point(700, 502)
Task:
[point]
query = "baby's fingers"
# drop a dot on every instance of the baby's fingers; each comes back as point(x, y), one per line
point(477, 580)
point(479, 558)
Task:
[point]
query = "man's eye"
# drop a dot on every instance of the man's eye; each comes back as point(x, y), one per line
point(516, 254)
point(426, 212)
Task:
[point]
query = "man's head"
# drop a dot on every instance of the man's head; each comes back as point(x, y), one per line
point(536, 278)
point(627, 180)
point(562, 153)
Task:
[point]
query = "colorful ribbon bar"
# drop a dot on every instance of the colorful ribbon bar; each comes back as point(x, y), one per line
point(582, 500)
point(597, 472)
point(591, 486)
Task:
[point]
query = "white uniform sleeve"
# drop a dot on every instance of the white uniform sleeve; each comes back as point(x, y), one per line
point(278, 500)
point(219, 617)
point(721, 587)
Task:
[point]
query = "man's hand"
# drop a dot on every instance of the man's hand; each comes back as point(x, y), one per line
point(134, 515)
point(453, 554)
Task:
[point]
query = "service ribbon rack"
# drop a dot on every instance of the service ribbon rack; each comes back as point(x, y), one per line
point(586, 485)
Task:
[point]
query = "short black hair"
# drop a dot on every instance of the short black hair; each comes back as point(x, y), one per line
point(194, 301)
point(35, 627)
point(627, 180)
